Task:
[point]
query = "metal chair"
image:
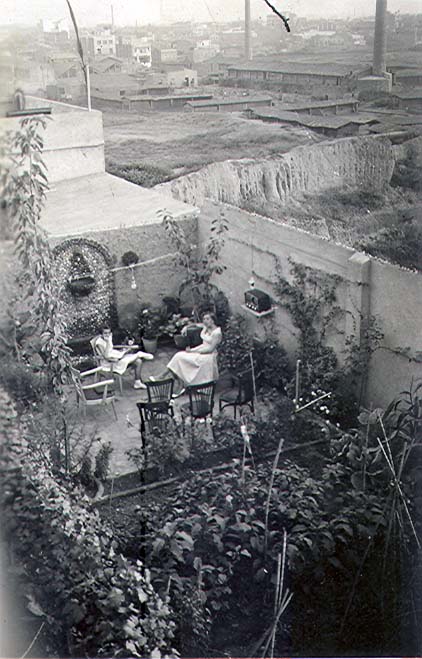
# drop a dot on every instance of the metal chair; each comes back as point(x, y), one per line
point(200, 405)
point(155, 416)
point(160, 390)
point(156, 412)
point(97, 393)
point(99, 359)
point(242, 393)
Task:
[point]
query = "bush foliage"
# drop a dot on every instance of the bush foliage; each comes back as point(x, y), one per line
point(95, 601)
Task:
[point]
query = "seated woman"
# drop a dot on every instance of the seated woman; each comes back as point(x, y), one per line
point(197, 365)
point(119, 360)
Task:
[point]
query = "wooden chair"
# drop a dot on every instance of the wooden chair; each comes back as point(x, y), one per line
point(200, 405)
point(99, 358)
point(97, 393)
point(242, 393)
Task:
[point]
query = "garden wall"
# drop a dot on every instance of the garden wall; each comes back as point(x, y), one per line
point(73, 139)
point(156, 273)
point(255, 244)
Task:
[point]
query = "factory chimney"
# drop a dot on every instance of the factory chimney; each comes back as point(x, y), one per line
point(248, 48)
point(380, 39)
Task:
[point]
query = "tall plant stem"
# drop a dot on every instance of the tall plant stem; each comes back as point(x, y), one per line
point(270, 489)
point(397, 484)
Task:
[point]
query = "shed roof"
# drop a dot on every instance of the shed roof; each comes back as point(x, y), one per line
point(338, 70)
point(230, 101)
point(102, 202)
point(327, 121)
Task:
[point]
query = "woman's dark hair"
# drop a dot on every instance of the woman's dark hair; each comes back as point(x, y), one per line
point(211, 314)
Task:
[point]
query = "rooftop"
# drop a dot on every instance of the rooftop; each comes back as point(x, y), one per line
point(231, 101)
point(329, 121)
point(102, 202)
point(300, 67)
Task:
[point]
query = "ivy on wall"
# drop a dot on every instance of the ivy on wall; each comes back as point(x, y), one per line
point(310, 298)
point(85, 314)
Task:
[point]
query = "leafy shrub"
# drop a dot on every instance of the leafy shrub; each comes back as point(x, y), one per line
point(140, 173)
point(234, 350)
point(95, 602)
point(24, 385)
point(218, 521)
point(272, 363)
point(407, 173)
point(400, 244)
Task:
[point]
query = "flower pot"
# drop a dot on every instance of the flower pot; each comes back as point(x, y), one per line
point(150, 345)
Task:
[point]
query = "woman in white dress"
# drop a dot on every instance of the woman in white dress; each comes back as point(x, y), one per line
point(197, 365)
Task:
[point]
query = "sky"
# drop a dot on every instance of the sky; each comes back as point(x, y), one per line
point(128, 12)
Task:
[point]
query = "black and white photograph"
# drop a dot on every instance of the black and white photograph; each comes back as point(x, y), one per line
point(210, 329)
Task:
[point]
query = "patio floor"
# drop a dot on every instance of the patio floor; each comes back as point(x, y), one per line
point(124, 434)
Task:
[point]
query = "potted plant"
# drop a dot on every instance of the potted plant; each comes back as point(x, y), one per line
point(173, 328)
point(150, 328)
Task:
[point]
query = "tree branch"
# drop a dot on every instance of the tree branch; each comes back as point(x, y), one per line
point(277, 13)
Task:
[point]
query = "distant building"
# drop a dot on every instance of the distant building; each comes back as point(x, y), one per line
point(411, 101)
point(203, 53)
point(216, 67)
point(109, 64)
point(124, 48)
point(142, 53)
point(164, 55)
point(53, 33)
point(227, 104)
point(409, 78)
point(177, 76)
point(100, 41)
point(309, 78)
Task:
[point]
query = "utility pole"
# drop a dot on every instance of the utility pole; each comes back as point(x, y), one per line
point(248, 49)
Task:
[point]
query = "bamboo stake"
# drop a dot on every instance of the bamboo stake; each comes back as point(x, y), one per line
point(297, 387)
point(397, 484)
point(255, 399)
point(267, 505)
point(312, 402)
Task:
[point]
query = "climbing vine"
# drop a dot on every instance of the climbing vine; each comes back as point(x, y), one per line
point(310, 298)
point(24, 184)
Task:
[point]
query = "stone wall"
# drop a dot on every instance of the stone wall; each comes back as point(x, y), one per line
point(363, 162)
point(255, 245)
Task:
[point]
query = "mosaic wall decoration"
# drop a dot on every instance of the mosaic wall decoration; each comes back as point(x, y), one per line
point(82, 267)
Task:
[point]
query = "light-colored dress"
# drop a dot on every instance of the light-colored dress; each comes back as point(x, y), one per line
point(196, 367)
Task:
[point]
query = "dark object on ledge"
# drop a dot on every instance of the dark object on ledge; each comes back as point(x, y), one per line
point(130, 258)
point(28, 112)
point(257, 300)
point(81, 286)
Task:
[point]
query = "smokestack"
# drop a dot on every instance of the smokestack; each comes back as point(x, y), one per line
point(112, 19)
point(380, 39)
point(248, 50)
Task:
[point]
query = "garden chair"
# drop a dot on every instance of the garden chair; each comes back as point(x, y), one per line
point(242, 393)
point(100, 358)
point(200, 405)
point(97, 393)
point(155, 415)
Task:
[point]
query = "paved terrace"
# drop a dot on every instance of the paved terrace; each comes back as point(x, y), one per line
point(124, 434)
